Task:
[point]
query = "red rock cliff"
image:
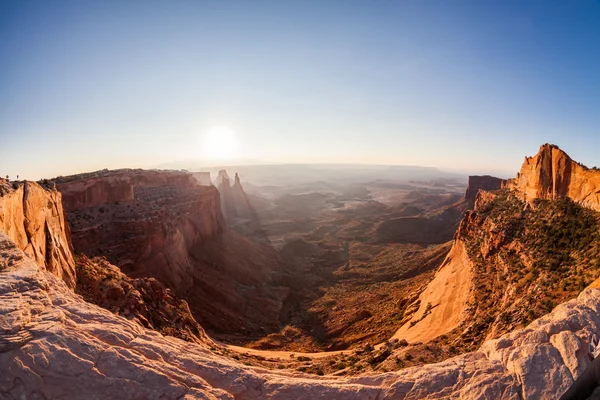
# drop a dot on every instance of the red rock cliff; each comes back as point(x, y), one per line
point(173, 230)
point(94, 192)
point(34, 219)
point(552, 174)
point(141, 220)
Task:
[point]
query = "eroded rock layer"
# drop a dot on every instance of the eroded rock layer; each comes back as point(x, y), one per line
point(34, 218)
point(143, 300)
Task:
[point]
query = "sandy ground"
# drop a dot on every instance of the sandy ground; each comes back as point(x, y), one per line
point(285, 355)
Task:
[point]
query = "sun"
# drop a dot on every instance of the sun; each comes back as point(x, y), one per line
point(220, 143)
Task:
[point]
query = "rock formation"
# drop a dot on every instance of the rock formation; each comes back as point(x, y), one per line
point(203, 178)
point(145, 221)
point(143, 300)
point(441, 306)
point(477, 183)
point(34, 219)
point(54, 345)
point(172, 229)
point(234, 201)
point(478, 292)
point(552, 174)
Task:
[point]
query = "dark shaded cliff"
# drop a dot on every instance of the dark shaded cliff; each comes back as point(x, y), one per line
point(172, 229)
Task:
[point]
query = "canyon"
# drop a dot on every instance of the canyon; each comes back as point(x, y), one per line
point(467, 309)
point(163, 225)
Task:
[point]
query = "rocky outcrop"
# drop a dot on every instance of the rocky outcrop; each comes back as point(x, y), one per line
point(552, 174)
point(441, 306)
point(240, 201)
point(173, 230)
point(484, 183)
point(478, 292)
point(34, 218)
point(54, 345)
point(234, 201)
point(143, 300)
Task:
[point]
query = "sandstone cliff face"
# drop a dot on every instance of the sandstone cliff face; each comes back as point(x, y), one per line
point(142, 221)
point(54, 345)
point(173, 230)
point(506, 255)
point(552, 174)
point(441, 306)
point(484, 183)
point(34, 218)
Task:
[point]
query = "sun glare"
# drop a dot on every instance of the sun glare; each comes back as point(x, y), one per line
point(220, 143)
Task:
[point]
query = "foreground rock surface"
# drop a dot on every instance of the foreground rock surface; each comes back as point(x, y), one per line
point(33, 217)
point(55, 345)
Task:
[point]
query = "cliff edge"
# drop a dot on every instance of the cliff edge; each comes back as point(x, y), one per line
point(33, 217)
point(552, 174)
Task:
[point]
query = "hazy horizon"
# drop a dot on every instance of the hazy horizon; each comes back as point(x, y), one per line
point(460, 86)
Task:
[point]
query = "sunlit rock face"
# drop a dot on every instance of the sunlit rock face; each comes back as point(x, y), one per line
point(552, 174)
point(33, 217)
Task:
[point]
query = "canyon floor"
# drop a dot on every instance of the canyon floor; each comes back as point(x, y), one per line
point(356, 254)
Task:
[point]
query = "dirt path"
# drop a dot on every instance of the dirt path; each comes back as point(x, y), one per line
point(446, 293)
point(285, 355)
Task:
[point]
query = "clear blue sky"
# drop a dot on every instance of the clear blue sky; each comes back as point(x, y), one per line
point(462, 85)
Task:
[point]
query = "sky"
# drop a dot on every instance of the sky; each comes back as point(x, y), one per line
point(461, 85)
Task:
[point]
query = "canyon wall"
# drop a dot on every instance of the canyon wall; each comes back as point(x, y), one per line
point(142, 221)
point(500, 240)
point(552, 174)
point(172, 229)
point(34, 219)
point(484, 183)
